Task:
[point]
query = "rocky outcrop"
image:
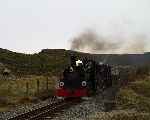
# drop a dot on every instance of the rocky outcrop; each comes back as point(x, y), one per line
point(5, 73)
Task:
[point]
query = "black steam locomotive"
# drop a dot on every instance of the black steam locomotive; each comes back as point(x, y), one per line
point(82, 78)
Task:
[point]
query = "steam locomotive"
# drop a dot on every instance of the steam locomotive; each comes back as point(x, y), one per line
point(82, 78)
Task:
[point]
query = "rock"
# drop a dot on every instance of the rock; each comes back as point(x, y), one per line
point(1, 66)
point(6, 71)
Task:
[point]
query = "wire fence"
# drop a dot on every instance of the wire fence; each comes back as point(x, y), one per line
point(26, 87)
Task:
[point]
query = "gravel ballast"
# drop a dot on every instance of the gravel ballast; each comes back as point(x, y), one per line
point(24, 109)
point(82, 110)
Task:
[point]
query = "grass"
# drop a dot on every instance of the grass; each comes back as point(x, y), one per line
point(141, 87)
point(135, 96)
point(25, 90)
point(43, 63)
point(20, 87)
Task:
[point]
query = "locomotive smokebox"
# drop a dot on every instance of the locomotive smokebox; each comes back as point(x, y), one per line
point(73, 60)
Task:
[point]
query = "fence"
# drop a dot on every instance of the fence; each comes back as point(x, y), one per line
point(27, 87)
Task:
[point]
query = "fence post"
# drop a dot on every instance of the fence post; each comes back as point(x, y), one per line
point(47, 84)
point(38, 86)
point(27, 88)
point(9, 87)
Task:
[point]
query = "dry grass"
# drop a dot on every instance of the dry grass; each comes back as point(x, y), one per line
point(14, 92)
point(141, 87)
point(136, 96)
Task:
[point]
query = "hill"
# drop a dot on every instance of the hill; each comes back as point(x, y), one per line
point(54, 60)
point(44, 62)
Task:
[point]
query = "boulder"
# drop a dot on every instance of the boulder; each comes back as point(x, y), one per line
point(6, 71)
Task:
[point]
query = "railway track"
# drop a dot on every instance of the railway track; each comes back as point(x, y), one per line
point(49, 110)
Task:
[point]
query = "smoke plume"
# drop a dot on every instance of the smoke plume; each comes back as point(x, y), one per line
point(89, 41)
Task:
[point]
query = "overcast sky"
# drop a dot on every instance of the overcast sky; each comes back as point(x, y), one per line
point(31, 25)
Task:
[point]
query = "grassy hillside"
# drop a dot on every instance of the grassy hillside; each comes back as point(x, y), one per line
point(52, 61)
point(45, 62)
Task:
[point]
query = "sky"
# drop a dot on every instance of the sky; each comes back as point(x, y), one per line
point(31, 25)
